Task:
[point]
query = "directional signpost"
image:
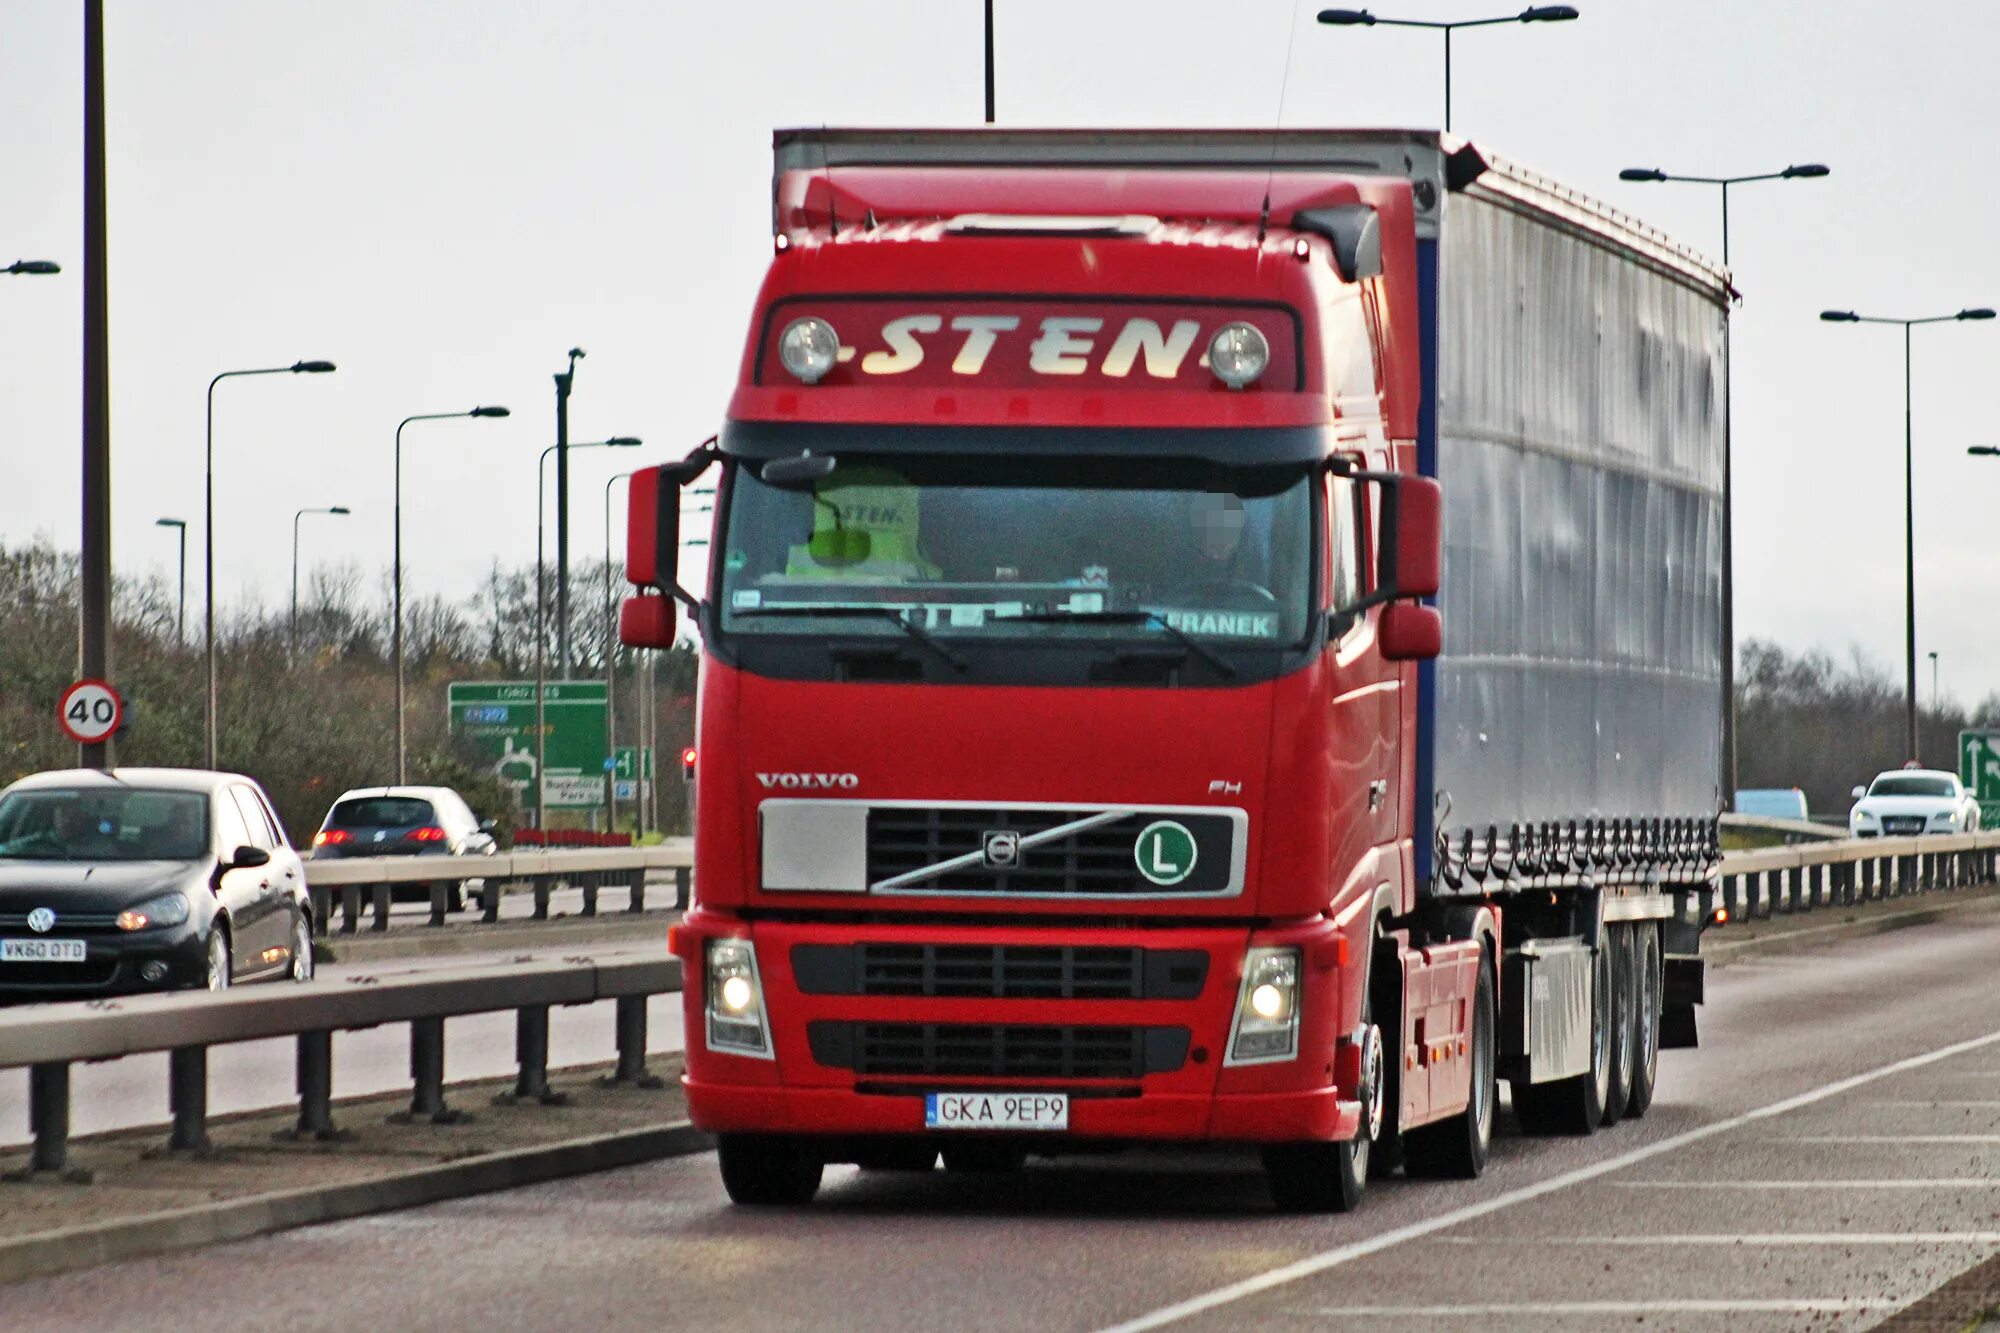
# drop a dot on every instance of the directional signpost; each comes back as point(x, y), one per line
point(1979, 770)
point(497, 718)
point(626, 773)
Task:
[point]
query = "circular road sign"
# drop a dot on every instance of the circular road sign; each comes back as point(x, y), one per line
point(1165, 852)
point(89, 711)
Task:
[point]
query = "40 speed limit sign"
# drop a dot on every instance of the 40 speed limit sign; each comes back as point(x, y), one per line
point(90, 711)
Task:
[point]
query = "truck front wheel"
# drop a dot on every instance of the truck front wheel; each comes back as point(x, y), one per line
point(761, 1169)
point(1331, 1177)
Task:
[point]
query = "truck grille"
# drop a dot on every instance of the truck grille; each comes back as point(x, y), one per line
point(983, 1050)
point(1000, 971)
point(1097, 859)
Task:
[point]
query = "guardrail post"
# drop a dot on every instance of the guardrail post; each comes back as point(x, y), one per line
point(48, 1121)
point(531, 1052)
point(440, 902)
point(637, 901)
point(321, 898)
point(187, 1097)
point(489, 901)
point(382, 895)
point(315, 1088)
point(350, 908)
point(543, 884)
point(427, 1075)
point(1732, 896)
point(632, 1046)
point(683, 882)
point(590, 895)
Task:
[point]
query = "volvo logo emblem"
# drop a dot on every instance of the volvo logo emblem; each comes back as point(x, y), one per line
point(1000, 849)
point(42, 920)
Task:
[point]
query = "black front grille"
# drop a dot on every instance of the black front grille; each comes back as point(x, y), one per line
point(1100, 859)
point(988, 1050)
point(1000, 971)
point(64, 921)
point(91, 973)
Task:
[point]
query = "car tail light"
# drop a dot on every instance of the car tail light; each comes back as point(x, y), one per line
point(332, 837)
point(432, 834)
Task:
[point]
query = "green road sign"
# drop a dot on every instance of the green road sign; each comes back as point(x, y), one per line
point(1164, 852)
point(498, 719)
point(1979, 770)
point(628, 763)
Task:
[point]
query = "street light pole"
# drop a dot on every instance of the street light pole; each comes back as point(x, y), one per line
point(989, 62)
point(94, 587)
point(396, 577)
point(1800, 171)
point(181, 616)
point(1936, 703)
point(1361, 18)
point(208, 526)
point(1909, 500)
point(541, 604)
point(565, 381)
point(292, 624)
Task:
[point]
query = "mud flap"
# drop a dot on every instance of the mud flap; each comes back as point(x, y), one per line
point(1685, 978)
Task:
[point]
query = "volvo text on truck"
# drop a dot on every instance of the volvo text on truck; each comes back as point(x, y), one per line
point(1210, 638)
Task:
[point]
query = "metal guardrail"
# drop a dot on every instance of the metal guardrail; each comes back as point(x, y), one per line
point(339, 887)
point(1754, 885)
point(1792, 830)
point(48, 1040)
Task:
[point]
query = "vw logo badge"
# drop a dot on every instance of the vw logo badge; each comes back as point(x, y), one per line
point(42, 920)
point(1000, 849)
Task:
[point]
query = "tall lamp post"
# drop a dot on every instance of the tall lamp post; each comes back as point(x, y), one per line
point(396, 576)
point(611, 687)
point(208, 524)
point(541, 606)
point(565, 381)
point(181, 616)
point(292, 625)
point(1800, 171)
point(1361, 18)
point(1909, 497)
point(49, 266)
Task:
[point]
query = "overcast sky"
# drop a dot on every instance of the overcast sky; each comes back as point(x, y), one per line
point(444, 197)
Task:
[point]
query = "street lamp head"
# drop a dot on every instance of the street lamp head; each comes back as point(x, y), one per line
point(181, 522)
point(340, 509)
point(1983, 451)
point(1840, 316)
point(312, 367)
point(488, 412)
point(1980, 312)
point(1642, 174)
point(1548, 14)
point(1804, 169)
point(623, 442)
point(1345, 18)
point(43, 266)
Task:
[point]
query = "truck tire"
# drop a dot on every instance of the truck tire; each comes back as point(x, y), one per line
point(1332, 1177)
point(763, 1170)
point(1575, 1105)
point(1651, 988)
point(1624, 1020)
point(1385, 980)
point(1456, 1148)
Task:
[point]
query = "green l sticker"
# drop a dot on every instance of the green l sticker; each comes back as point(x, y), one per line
point(1165, 852)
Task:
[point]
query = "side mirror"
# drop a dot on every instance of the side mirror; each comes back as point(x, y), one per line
point(652, 528)
point(1418, 534)
point(1858, 793)
point(647, 621)
point(1410, 632)
point(487, 826)
point(248, 858)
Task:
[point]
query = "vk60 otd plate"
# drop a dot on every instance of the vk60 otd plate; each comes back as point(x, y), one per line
point(996, 1110)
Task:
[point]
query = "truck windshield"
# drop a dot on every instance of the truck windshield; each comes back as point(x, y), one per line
point(1024, 548)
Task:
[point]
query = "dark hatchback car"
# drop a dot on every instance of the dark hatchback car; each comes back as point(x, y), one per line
point(145, 879)
point(406, 821)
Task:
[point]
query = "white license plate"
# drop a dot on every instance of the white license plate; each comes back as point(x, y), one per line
point(996, 1110)
point(41, 951)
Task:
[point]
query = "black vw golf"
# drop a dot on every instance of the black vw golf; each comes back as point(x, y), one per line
point(144, 879)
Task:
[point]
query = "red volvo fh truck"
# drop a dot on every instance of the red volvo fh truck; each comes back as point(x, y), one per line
point(1210, 638)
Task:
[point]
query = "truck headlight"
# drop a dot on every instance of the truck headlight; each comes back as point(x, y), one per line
point(1266, 1027)
point(1238, 354)
point(809, 347)
point(169, 909)
point(736, 1022)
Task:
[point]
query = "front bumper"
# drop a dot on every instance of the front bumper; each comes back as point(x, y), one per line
point(112, 966)
point(1194, 1097)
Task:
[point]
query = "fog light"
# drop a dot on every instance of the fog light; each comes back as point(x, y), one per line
point(155, 971)
point(1267, 1008)
point(1238, 354)
point(808, 347)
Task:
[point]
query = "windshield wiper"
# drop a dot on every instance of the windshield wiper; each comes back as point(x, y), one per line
point(888, 613)
point(1139, 617)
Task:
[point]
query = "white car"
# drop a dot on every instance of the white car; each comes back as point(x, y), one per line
point(1912, 800)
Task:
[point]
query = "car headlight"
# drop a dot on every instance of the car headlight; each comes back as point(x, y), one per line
point(1267, 1008)
point(1947, 819)
point(1863, 817)
point(169, 909)
point(736, 1022)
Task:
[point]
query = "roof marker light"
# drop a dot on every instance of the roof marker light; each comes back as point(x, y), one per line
point(1238, 354)
point(808, 347)
point(781, 242)
point(1302, 249)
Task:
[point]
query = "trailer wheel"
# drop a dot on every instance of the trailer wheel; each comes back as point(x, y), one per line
point(760, 1169)
point(1649, 987)
point(1575, 1105)
point(1621, 943)
point(1456, 1148)
point(1331, 1177)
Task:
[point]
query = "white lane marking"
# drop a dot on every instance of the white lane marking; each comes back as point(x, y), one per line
point(1890, 1138)
point(1926, 1183)
point(1766, 1238)
point(1824, 1305)
point(1985, 1106)
point(1319, 1263)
